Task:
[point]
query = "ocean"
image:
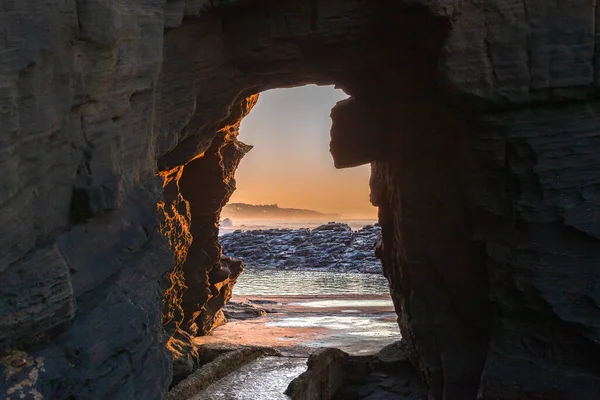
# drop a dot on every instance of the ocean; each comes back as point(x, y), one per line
point(246, 225)
point(281, 282)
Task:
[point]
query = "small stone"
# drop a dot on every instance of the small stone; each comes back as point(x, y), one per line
point(18, 363)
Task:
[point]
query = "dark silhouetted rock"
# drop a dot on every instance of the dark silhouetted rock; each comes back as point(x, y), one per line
point(240, 311)
point(333, 374)
point(325, 375)
point(386, 375)
point(118, 148)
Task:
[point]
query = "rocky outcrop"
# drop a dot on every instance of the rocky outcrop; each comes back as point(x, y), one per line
point(206, 183)
point(202, 281)
point(118, 149)
point(430, 254)
point(325, 375)
point(330, 247)
point(333, 374)
point(386, 375)
point(241, 310)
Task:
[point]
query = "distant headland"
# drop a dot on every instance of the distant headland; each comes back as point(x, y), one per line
point(271, 211)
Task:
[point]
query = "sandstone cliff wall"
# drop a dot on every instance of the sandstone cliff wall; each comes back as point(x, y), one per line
point(480, 120)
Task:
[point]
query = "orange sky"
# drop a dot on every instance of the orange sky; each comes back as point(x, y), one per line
point(290, 164)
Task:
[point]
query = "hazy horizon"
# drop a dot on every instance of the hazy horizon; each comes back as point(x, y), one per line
point(290, 164)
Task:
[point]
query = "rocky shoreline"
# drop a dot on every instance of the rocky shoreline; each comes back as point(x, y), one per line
point(327, 373)
point(330, 247)
point(338, 347)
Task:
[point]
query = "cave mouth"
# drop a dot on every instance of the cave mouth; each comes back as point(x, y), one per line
point(310, 278)
point(295, 168)
point(304, 229)
point(388, 63)
point(289, 162)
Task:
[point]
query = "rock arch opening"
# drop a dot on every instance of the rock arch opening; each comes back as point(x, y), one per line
point(318, 244)
point(417, 160)
point(203, 281)
point(290, 163)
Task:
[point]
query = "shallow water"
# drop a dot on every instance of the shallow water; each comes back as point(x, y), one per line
point(263, 379)
point(337, 322)
point(372, 331)
point(345, 303)
point(292, 283)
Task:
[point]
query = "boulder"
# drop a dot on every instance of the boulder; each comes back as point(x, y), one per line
point(325, 375)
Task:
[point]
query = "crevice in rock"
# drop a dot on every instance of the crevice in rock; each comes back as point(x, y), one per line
point(80, 206)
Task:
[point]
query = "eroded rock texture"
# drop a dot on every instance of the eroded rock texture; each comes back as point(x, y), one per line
point(207, 183)
point(117, 150)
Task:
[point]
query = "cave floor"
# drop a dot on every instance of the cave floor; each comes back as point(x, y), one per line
point(297, 325)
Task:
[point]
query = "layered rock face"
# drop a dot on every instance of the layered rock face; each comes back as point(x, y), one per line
point(118, 150)
point(330, 247)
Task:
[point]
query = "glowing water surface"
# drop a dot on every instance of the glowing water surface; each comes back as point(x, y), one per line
point(256, 282)
point(352, 327)
point(346, 303)
point(262, 379)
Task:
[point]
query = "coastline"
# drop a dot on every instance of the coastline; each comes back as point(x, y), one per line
point(294, 326)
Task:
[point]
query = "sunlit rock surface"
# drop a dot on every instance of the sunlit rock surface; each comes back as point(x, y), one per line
point(485, 173)
point(330, 247)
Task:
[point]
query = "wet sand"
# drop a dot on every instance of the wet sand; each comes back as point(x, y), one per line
point(296, 325)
